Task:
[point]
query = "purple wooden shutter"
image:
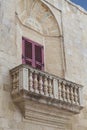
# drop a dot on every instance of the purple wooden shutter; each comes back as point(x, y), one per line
point(39, 59)
point(27, 52)
point(32, 54)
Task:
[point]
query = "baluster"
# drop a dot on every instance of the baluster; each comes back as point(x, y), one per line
point(41, 85)
point(72, 95)
point(64, 92)
point(13, 81)
point(35, 83)
point(68, 93)
point(50, 89)
point(13, 84)
point(76, 96)
point(16, 80)
point(31, 82)
point(60, 91)
point(45, 86)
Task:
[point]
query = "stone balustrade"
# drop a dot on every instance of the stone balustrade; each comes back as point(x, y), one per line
point(46, 87)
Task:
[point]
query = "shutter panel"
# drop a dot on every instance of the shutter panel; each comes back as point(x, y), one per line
point(27, 52)
point(39, 57)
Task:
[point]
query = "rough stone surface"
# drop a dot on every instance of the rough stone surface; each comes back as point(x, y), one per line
point(64, 36)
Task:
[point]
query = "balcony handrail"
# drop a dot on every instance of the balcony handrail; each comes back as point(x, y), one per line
point(44, 73)
point(47, 85)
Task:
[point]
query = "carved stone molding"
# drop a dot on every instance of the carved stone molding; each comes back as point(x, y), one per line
point(40, 112)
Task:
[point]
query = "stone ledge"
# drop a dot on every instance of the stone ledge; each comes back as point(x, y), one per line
point(39, 111)
point(41, 99)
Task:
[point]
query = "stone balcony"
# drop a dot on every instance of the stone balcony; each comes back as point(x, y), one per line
point(40, 94)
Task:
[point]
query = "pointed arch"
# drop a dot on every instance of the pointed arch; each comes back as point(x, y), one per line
point(38, 16)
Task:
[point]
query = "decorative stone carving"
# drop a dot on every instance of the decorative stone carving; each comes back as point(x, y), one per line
point(37, 15)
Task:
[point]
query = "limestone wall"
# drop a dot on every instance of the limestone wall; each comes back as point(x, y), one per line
point(65, 54)
point(75, 44)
